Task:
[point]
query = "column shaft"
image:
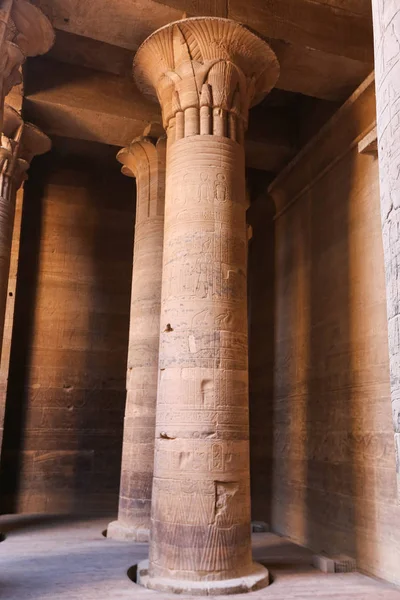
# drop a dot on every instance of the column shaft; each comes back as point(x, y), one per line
point(146, 161)
point(209, 71)
point(201, 512)
point(387, 73)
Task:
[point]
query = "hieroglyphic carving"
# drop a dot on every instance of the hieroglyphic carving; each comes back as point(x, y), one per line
point(145, 160)
point(206, 73)
point(387, 75)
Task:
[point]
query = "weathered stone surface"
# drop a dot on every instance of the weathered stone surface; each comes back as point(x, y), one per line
point(206, 74)
point(387, 73)
point(145, 160)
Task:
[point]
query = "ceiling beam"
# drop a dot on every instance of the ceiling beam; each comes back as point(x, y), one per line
point(323, 25)
point(77, 102)
point(309, 72)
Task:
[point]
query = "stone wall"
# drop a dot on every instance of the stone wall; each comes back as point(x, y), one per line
point(66, 395)
point(332, 458)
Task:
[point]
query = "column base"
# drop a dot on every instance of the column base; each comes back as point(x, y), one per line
point(257, 578)
point(119, 531)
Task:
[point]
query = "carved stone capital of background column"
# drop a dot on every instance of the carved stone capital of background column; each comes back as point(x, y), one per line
point(24, 31)
point(206, 74)
point(145, 160)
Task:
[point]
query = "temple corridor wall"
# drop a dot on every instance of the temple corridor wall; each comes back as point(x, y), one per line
point(333, 461)
point(66, 394)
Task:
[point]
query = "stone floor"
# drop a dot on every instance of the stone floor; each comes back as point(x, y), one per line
point(58, 558)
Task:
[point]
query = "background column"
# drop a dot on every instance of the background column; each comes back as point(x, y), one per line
point(206, 73)
point(145, 160)
point(387, 73)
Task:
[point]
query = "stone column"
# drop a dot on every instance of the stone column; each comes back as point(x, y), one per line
point(206, 72)
point(24, 31)
point(145, 160)
point(20, 142)
point(387, 75)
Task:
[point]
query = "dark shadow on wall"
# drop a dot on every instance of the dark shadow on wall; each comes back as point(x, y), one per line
point(261, 308)
point(329, 453)
point(66, 396)
point(313, 476)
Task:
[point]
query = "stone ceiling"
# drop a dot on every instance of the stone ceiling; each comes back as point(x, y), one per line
point(83, 88)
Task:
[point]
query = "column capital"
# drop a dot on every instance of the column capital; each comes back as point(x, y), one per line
point(205, 63)
point(140, 153)
point(20, 142)
point(30, 29)
point(28, 32)
point(145, 159)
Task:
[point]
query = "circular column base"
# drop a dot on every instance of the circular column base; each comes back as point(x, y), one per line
point(119, 531)
point(257, 578)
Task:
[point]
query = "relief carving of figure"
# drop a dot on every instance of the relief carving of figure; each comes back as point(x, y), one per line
point(220, 189)
point(204, 267)
point(204, 189)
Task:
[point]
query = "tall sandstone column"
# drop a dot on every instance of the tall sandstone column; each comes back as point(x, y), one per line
point(206, 73)
point(387, 74)
point(20, 142)
point(145, 160)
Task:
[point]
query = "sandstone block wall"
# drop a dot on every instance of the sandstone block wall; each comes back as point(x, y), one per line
point(66, 395)
point(333, 459)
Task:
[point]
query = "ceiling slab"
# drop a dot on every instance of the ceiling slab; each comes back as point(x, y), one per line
point(77, 102)
point(305, 71)
point(362, 8)
point(324, 46)
point(81, 87)
point(308, 24)
point(318, 74)
point(86, 52)
point(205, 8)
point(327, 25)
point(124, 23)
